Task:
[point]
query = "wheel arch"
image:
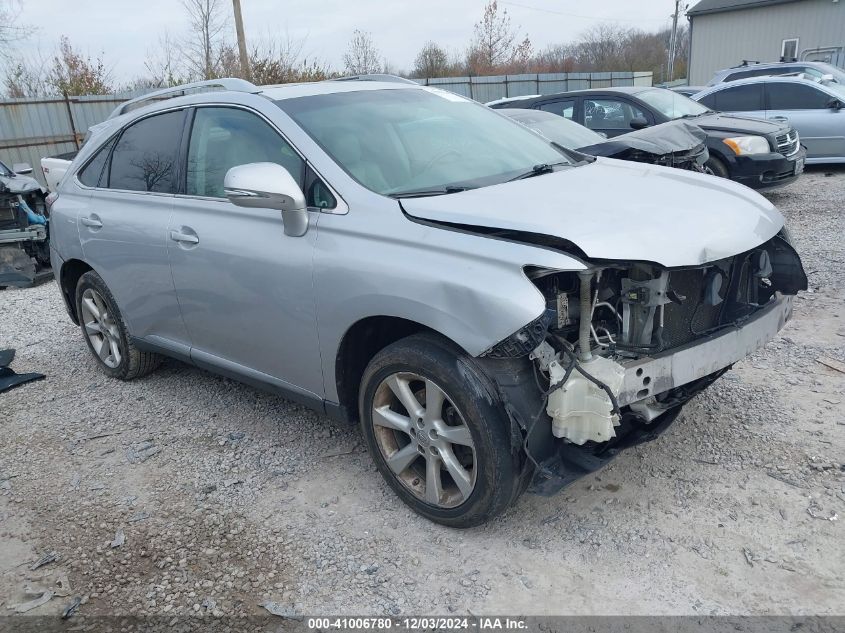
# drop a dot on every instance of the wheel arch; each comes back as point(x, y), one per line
point(360, 343)
point(69, 276)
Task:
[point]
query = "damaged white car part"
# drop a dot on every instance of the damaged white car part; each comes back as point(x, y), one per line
point(582, 402)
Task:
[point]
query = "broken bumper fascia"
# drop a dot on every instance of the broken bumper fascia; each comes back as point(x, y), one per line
point(681, 366)
point(652, 375)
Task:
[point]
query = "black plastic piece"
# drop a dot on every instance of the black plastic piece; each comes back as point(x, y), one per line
point(8, 378)
point(522, 342)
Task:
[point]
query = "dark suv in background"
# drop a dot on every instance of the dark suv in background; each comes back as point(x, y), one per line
point(757, 153)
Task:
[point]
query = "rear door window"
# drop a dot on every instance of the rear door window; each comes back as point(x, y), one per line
point(795, 96)
point(145, 157)
point(736, 99)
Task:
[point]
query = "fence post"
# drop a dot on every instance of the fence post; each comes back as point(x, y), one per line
point(70, 118)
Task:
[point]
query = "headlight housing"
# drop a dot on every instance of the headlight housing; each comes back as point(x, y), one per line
point(743, 145)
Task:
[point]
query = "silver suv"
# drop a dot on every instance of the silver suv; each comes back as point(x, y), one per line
point(498, 313)
point(816, 70)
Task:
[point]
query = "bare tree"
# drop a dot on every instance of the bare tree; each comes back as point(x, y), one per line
point(74, 74)
point(361, 56)
point(27, 78)
point(495, 44)
point(560, 58)
point(208, 23)
point(11, 30)
point(431, 61)
point(164, 64)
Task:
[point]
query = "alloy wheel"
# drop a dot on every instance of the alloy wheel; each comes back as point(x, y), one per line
point(424, 440)
point(100, 328)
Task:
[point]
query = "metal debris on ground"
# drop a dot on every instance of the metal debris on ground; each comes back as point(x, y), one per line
point(49, 557)
point(141, 452)
point(23, 607)
point(119, 539)
point(71, 608)
point(749, 556)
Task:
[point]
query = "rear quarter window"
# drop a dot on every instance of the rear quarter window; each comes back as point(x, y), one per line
point(92, 174)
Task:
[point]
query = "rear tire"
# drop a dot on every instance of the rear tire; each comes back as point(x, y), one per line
point(430, 414)
point(106, 333)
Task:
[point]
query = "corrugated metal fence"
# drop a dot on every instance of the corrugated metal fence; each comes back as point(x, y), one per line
point(490, 88)
point(33, 128)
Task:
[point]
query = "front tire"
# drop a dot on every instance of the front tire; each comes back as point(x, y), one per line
point(435, 427)
point(717, 167)
point(106, 333)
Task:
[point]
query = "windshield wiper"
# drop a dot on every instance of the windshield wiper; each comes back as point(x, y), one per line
point(538, 170)
point(425, 193)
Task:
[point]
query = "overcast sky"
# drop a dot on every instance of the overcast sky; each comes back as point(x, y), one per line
point(126, 30)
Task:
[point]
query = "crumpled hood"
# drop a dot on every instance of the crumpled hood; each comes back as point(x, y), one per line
point(21, 184)
point(666, 138)
point(619, 210)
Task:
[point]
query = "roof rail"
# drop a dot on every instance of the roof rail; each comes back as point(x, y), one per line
point(232, 84)
point(377, 77)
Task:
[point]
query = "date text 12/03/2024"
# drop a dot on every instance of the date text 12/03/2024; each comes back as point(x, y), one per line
point(418, 624)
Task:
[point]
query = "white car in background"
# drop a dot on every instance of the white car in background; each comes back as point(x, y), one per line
point(54, 168)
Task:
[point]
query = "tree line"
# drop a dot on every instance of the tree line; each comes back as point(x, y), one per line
point(207, 50)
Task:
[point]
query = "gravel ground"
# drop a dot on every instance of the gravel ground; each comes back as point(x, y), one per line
point(227, 497)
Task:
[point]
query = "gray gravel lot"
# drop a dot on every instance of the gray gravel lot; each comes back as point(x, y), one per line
point(228, 497)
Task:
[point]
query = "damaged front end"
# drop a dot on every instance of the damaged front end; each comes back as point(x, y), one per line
point(24, 236)
point(678, 144)
point(623, 345)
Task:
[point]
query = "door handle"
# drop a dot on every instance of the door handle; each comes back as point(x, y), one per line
point(92, 222)
point(176, 236)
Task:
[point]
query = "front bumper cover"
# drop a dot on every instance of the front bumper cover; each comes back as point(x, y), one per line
point(767, 171)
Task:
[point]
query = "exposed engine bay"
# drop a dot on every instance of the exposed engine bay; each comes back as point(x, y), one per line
point(653, 338)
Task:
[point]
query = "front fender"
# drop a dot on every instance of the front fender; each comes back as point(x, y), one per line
point(469, 288)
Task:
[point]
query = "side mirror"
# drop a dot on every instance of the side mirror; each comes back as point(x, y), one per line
point(22, 168)
point(638, 123)
point(268, 186)
point(834, 104)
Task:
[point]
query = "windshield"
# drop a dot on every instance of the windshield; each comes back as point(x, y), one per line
point(555, 128)
point(837, 88)
point(412, 140)
point(671, 104)
point(829, 69)
point(5, 171)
